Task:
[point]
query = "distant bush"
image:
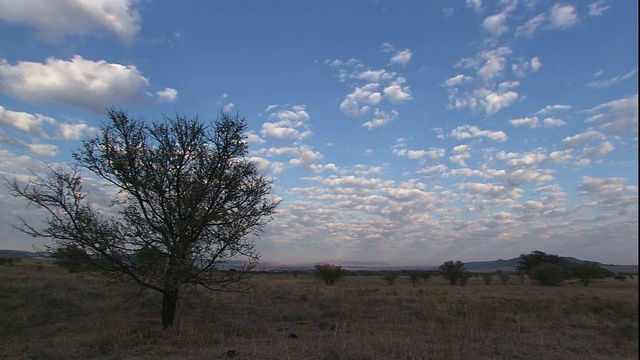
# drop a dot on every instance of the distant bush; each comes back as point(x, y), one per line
point(589, 272)
point(504, 277)
point(425, 275)
point(329, 273)
point(547, 274)
point(463, 277)
point(454, 272)
point(391, 277)
point(414, 277)
point(487, 278)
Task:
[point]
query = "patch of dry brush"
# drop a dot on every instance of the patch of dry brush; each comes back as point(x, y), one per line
point(51, 314)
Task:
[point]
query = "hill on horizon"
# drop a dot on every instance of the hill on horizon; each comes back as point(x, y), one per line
point(472, 266)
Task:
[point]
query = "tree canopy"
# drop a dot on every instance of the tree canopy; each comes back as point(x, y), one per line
point(187, 200)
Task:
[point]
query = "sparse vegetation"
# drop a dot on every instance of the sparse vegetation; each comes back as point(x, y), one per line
point(503, 276)
point(589, 272)
point(487, 278)
point(328, 273)
point(54, 314)
point(391, 277)
point(415, 276)
point(187, 199)
point(454, 272)
point(547, 274)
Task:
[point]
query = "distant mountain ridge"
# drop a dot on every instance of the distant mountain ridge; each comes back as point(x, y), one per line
point(472, 266)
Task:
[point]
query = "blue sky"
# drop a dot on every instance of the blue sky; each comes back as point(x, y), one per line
point(409, 132)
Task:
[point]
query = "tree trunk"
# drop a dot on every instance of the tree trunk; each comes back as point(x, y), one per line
point(169, 304)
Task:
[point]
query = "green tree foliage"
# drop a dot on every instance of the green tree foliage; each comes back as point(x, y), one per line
point(188, 199)
point(453, 271)
point(547, 274)
point(72, 258)
point(487, 278)
point(588, 272)
point(414, 277)
point(503, 276)
point(391, 277)
point(535, 258)
point(328, 273)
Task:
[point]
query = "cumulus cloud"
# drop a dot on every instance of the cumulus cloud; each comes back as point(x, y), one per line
point(553, 122)
point(288, 123)
point(598, 8)
point(381, 118)
point(550, 108)
point(94, 85)
point(617, 116)
point(76, 131)
point(401, 57)
point(359, 101)
point(25, 122)
point(470, 131)
point(530, 122)
point(56, 19)
point(380, 91)
point(396, 93)
point(558, 17)
point(562, 16)
point(167, 95)
point(614, 80)
point(46, 150)
point(579, 139)
point(476, 5)
point(458, 80)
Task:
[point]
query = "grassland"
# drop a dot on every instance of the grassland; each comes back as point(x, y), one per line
point(52, 314)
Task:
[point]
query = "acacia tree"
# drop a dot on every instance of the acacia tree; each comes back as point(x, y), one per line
point(187, 201)
point(454, 271)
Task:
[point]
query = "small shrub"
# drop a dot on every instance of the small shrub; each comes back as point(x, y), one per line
point(329, 273)
point(425, 275)
point(39, 266)
point(391, 277)
point(504, 277)
point(453, 271)
point(487, 278)
point(463, 277)
point(414, 277)
point(547, 274)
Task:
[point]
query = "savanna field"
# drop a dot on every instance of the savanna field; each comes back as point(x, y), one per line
point(49, 313)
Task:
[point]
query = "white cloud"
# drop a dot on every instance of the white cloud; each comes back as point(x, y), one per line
point(493, 62)
point(458, 80)
point(167, 95)
point(558, 17)
point(76, 131)
point(531, 26)
point(562, 16)
point(598, 8)
point(401, 57)
point(291, 123)
point(550, 108)
point(476, 5)
point(553, 122)
point(494, 101)
point(470, 131)
point(55, 19)
point(530, 122)
point(381, 118)
point(227, 108)
point(352, 104)
point(25, 122)
point(617, 116)
point(579, 139)
point(47, 150)
point(496, 24)
point(95, 85)
point(614, 80)
point(396, 93)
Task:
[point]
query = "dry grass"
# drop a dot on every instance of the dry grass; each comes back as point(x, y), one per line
point(51, 314)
